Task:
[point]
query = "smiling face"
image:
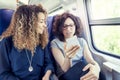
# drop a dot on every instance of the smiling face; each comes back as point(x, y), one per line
point(41, 23)
point(68, 28)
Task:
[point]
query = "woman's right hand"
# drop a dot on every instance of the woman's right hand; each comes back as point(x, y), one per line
point(93, 73)
point(71, 51)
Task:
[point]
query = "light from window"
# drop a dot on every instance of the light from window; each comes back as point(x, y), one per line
point(102, 9)
point(107, 38)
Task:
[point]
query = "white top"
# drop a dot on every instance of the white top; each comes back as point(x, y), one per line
point(56, 43)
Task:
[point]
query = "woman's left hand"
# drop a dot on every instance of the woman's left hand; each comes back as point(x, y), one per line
point(45, 77)
point(93, 73)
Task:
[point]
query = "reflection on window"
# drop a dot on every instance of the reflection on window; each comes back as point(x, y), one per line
point(102, 9)
point(107, 38)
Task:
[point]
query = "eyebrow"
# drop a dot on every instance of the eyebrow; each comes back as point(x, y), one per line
point(42, 19)
point(69, 24)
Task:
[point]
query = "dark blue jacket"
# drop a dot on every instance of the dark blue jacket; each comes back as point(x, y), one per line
point(14, 63)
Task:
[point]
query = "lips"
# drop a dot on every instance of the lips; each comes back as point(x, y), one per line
point(68, 33)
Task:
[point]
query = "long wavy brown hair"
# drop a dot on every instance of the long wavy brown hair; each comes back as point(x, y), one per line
point(23, 28)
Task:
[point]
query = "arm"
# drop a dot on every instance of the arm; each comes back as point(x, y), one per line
point(93, 66)
point(47, 75)
point(64, 62)
point(5, 68)
point(48, 64)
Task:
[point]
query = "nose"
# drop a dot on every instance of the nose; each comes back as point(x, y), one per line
point(45, 26)
point(68, 28)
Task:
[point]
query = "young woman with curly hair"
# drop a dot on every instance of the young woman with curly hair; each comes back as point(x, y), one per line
point(24, 53)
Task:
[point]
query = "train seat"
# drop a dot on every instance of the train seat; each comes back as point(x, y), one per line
point(5, 18)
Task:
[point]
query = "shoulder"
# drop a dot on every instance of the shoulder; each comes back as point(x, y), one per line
point(6, 41)
point(55, 41)
point(82, 41)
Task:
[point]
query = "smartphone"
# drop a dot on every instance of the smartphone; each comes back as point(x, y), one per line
point(72, 41)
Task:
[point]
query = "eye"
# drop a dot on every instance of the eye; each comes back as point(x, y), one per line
point(65, 26)
point(42, 21)
point(71, 25)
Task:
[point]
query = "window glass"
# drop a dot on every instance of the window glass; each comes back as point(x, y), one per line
point(102, 9)
point(107, 38)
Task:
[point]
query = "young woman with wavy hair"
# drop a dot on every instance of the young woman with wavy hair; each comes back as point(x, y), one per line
point(24, 53)
point(73, 59)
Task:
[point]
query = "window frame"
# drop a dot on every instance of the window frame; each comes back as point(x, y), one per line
point(99, 22)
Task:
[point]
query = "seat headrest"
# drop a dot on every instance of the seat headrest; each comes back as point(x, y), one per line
point(50, 20)
point(5, 18)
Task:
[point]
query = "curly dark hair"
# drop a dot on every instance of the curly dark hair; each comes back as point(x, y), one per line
point(59, 23)
point(23, 28)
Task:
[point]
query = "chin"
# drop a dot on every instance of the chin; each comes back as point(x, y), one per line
point(40, 32)
point(69, 36)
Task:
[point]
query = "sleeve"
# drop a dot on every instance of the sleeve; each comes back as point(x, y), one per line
point(53, 44)
point(5, 66)
point(82, 42)
point(48, 60)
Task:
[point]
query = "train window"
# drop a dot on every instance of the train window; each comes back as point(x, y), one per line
point(102, 9)
point(107, 38)
point(104, 24)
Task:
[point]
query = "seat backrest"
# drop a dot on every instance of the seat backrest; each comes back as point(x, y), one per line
point(50, 20)
point(5, 18)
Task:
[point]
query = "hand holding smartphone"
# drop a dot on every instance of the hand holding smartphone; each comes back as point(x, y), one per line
point(72, 46)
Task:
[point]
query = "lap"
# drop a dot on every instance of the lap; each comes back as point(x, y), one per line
point(75, 72)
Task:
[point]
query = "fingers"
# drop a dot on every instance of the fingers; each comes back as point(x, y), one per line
point(89, 78)
point(72, 51)
point(91, 75)
point(86, 67)
point(86, 76)
point(67, 50)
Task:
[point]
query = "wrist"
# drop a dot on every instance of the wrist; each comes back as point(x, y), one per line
point(67, 57)
point(96, 65)
point(48, 73)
